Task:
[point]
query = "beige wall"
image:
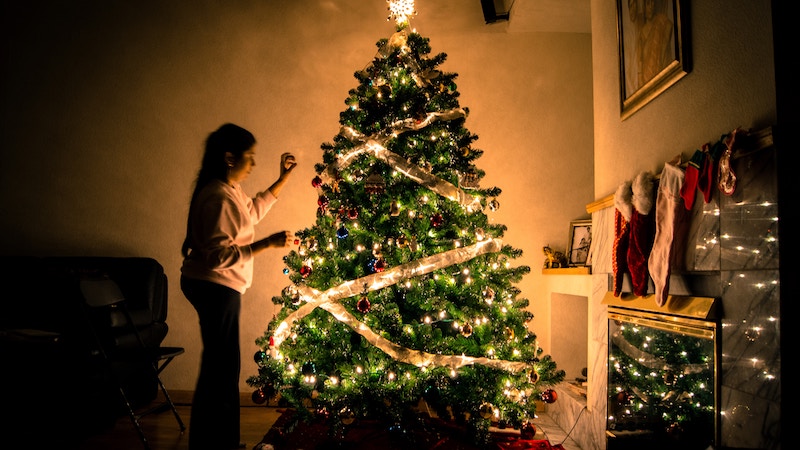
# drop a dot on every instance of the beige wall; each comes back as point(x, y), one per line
point(732, 84)
point(105, 112)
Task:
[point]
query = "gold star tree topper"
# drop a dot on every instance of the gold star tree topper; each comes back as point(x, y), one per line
point(400, 10)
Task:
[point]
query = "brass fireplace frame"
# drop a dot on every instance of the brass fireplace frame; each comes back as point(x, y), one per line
point(689, 316)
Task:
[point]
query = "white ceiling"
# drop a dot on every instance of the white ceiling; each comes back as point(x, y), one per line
point(569, 16)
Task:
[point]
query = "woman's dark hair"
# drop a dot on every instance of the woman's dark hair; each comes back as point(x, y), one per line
point(227, 138)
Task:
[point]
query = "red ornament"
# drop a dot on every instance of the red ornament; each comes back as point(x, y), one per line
point(437, 220)
point(528, 431)
point(380, 265)
point(363, 305)
point(259, 396)
point(549, 396)
point(305, 271)
point(375, 184)
point(316, 182)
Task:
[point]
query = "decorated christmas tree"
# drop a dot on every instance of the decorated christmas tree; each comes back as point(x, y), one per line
point(402, 293)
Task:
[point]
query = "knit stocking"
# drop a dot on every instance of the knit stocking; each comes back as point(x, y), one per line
point(622, 216)
point(670, 217)
point(726, 179)
point(706, 180)
point(642, 232)
point(689, 187)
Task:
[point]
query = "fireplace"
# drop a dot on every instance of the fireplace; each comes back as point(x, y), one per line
point(662, 373)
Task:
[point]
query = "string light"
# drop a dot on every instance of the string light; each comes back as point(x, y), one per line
point(434, 264)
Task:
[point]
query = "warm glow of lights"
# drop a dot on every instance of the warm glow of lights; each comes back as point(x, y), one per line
point(400, 10)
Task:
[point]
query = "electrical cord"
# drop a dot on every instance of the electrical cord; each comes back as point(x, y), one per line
point(573, 425)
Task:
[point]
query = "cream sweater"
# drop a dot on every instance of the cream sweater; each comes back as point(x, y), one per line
point(222, 229)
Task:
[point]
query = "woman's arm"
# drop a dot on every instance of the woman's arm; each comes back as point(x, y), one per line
point(287, 166)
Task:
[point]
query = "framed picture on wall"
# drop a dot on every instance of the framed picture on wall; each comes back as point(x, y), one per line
point(580, 240)
point(653, 49)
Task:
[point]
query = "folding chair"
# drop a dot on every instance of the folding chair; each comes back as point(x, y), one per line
point(103, 300)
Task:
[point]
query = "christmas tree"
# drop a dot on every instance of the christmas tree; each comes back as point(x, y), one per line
point(403, 291)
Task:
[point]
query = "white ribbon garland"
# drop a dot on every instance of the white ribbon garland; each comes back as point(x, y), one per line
point(327, 300)
point(375, 146)
point(415, 357)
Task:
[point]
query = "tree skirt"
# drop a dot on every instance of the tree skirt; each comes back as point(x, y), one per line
point(290, 433)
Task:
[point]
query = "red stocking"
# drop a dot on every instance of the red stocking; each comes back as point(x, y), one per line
point(622, 216)
point(692, 177)
point(620, 252)
point(706, 180)
point(642, 232)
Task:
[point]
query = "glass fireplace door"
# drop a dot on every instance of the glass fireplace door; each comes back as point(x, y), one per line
point(662, 384)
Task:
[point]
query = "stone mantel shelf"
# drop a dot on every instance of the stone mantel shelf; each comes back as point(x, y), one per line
point(585, 270)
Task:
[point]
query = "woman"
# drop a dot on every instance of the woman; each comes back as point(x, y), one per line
point(217, 269)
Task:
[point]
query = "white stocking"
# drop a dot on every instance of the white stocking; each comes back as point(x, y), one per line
point(670, 220)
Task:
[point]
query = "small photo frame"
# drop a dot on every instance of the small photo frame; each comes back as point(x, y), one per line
point(579, 243)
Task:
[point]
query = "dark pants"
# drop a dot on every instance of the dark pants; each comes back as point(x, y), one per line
point(214, 421)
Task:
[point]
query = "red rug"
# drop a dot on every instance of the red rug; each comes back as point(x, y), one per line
point(289, 433)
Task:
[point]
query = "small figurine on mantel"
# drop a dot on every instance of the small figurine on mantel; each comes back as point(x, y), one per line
point(554, 259)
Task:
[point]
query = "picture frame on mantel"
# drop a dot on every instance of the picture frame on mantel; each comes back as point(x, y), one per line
point(653, 51)
point(579, 243)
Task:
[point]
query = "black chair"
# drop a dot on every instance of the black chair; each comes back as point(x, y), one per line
point(108, 318)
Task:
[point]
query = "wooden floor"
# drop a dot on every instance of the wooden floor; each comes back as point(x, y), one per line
point(163, 433)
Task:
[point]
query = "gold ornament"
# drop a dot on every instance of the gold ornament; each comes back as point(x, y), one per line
point(346, 416)
point(509, 333)
point(486, 410)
